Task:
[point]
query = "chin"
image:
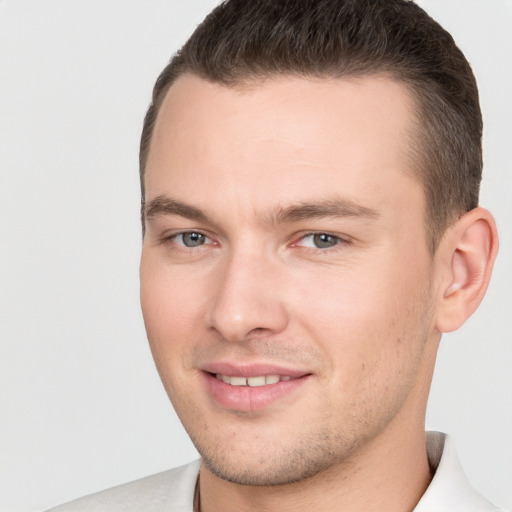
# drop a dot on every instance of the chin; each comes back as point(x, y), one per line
point(271, 461)
point(257, 474)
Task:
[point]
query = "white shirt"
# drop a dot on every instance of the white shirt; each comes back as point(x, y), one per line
point(449, 490)
point(173, 490)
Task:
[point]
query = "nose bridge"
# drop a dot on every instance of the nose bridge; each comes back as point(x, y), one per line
point(248, 296)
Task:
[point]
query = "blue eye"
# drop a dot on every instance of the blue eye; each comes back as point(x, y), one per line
point(191, 239)
point(320, 241)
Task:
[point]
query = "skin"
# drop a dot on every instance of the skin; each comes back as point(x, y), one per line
point(360, 316)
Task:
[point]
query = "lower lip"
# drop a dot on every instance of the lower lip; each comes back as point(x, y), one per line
point(247, 398)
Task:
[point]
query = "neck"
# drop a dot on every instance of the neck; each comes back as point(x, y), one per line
point(390, 474)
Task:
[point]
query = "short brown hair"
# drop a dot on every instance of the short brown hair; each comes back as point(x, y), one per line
point(243, 40)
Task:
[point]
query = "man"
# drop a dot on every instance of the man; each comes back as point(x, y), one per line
point(310, 175)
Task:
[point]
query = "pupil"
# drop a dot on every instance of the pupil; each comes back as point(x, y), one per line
point(323, 240)
point(193, 239)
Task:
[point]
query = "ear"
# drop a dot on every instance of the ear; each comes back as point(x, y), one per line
point(467, 252)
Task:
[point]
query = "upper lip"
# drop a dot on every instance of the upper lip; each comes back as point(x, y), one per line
point(251, 369)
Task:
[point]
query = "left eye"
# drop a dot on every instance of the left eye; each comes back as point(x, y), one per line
point(191, 239)
point(320, 241)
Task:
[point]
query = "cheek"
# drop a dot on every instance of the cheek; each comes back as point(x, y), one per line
point(171, 303)
point(339, 303)
point(364, 318)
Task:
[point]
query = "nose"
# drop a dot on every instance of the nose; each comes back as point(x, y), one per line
point(249, 298)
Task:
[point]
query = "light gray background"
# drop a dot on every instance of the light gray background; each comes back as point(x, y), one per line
point(82, 407)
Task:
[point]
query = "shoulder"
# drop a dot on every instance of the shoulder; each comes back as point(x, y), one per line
point(171, 491)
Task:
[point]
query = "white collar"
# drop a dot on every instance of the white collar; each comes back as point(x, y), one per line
point(449, 490)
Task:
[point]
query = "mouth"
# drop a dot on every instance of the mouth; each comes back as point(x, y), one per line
point(253, 382)
point(253, 388)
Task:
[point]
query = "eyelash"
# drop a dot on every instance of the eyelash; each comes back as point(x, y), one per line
point(340, 241)
point(171, 239)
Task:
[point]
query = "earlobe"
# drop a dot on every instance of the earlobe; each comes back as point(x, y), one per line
point(469, 249)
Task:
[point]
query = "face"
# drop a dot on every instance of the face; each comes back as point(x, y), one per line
point(285, 276)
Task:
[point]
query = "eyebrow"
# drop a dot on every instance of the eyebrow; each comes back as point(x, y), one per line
point(328, 208)
point(336, 207)
point(163, 205)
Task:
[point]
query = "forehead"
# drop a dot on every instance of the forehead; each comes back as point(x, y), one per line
point(281, 138)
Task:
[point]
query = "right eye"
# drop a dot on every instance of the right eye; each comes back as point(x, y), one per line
point(190, 239)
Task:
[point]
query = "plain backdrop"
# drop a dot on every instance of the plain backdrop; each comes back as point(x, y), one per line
point(81, 404)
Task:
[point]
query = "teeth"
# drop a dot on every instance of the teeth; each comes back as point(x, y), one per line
point(271, 379)
point(252, 381)
point(238, 381)
point(256, 381)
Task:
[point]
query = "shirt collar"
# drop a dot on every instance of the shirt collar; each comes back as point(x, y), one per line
point(449, 490)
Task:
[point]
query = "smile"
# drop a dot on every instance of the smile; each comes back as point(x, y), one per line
point(263, 380)
point(253, 388)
